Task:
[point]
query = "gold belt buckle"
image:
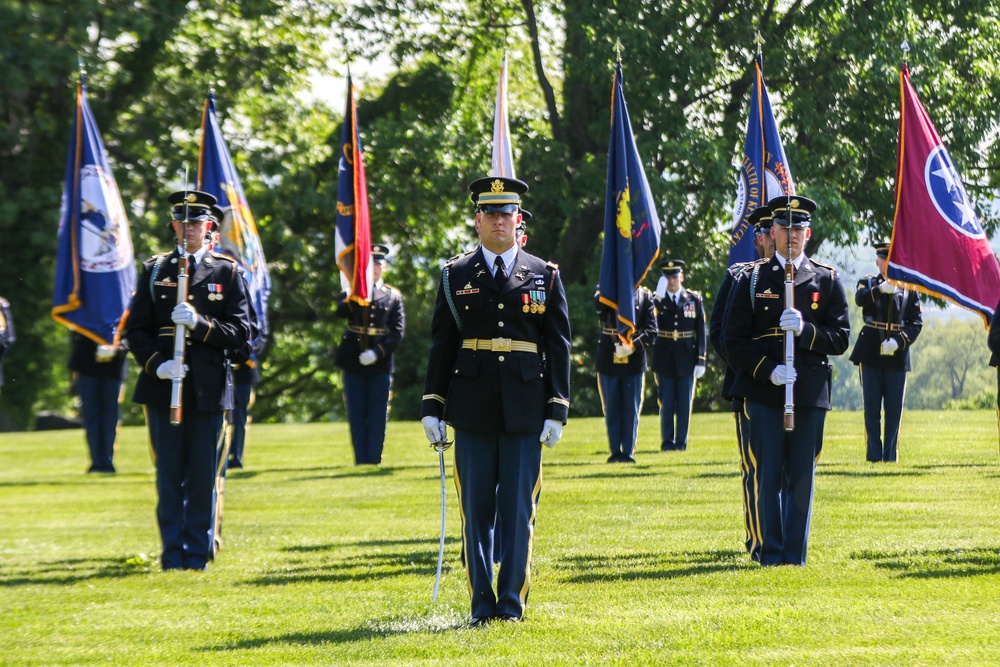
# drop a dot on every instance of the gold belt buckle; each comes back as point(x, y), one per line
point(676, 335)
point(501, 344)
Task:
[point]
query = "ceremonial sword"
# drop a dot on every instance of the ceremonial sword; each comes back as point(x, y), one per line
point(440, 447)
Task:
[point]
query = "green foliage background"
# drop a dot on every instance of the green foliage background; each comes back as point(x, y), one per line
point(425, 109)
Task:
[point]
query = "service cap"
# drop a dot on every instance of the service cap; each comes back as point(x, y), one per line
point(496, 194)
point(791, 207)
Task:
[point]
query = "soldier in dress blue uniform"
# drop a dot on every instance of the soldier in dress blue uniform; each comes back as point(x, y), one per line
point(678, 354)
point(761, 220)
point(365, 356)
point(99, 372)
point(621, 372)
point(217, 324)
point(753, 338)
point(882, 354)
point(498, 372)
point(7, 336)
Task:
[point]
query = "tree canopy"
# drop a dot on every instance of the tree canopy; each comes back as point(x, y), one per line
point(425, 114)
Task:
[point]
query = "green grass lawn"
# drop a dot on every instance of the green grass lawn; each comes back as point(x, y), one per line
point(328, 564)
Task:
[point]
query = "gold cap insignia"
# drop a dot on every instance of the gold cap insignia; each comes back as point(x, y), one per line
point(191, 198)
point(496, 187)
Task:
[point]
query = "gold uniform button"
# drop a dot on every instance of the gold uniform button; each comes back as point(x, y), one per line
point(500, 357)
point(500, 306)
point(499, 324)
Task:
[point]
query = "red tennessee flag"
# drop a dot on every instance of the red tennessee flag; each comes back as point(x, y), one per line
point(938, 246)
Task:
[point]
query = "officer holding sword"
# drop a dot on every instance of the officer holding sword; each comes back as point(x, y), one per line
point(498, 372)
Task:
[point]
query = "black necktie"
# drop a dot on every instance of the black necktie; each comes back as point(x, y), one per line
point(499, 274)
point(192, 263)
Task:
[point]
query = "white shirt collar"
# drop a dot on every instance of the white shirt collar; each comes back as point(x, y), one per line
point(797, 262)
point(198, 256)
point(508, 257)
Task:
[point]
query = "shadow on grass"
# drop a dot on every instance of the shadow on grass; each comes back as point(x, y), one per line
point(82, 480)
point(369, 543)
point(718, 475)
point(345, 473)
point(411, 558)
point(873, 472)
point(367, 632)
point(72, 571)
point(593, 568)
point(935, 563)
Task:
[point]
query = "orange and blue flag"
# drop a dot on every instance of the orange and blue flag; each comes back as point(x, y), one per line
point(353, 240)
point(238, 236)
point(95, 263)
point(938, 246)
point(631, 225)
point(764, 170)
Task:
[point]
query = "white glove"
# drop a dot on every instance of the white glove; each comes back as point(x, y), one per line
point(551, 432)
point(165, 371)
point(783, 374)
point(889, 347)
point(661, 287)
point(435, 430)
point(368, 357)
point(791, 320)
point(105, 352)
point(184, 314)
point(698, 371)
point(887, 287)
point(621, 351)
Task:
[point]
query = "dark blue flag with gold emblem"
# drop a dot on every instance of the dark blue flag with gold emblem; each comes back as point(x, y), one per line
point(631, 225)
point(95, 263)
point(238, 236)
point(764, 171)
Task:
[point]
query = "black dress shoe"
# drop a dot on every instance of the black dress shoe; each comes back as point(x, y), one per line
point(616, 458)
point(480, 621)
point(508, 618)
point(233, 464)
point(628, 459)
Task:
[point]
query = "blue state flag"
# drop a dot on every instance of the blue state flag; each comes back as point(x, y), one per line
point(95, 263)
point(631, 225)
point(764, 170)
point(238, 237)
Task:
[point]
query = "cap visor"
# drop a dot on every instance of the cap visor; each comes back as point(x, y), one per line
point(499, 208)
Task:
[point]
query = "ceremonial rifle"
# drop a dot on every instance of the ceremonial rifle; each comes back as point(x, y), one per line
point(789, 336)
point(180, 331)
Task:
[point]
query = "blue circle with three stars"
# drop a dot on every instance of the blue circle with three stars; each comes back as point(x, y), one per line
point(948, 194)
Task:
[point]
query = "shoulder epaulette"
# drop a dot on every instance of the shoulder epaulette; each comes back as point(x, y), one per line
point(219, 255)
point(152, 260)
point(552, 265)
point(832, 269)
point(452, 260)
point(825, 266)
